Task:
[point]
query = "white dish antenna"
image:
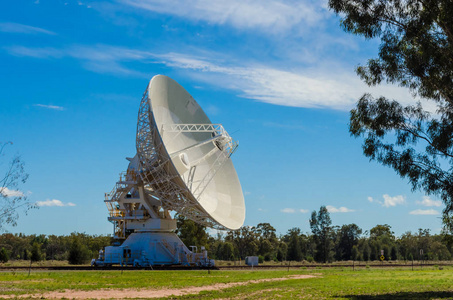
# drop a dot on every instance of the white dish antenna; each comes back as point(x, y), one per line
point(184, 160)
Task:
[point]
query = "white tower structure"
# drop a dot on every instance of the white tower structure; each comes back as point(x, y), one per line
point(183, 164)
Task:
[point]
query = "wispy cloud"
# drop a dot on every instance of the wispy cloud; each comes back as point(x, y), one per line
point(292, 210)
point(284, 126)
point(424, 212)
point(324, 87)
point(53, 107)
point(427, 201)
point(45, 52)
point(212, 110)
point(99, 59)
point(21, 28)
point(320, 88)
point(342, 209)
point(6, 192)
point(54, 202)
point(269, 16)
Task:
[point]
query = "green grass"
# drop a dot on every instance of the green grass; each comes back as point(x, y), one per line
point(347, 284)
point(337, 283)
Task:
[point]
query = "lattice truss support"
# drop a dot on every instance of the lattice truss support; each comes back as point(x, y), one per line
point(156, 166)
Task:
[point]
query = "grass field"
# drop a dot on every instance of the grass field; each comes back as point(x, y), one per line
point(336, 283)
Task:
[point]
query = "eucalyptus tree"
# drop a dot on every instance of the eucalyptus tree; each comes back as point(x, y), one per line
point(320, 224)
point(12, 174)
point(415, 52)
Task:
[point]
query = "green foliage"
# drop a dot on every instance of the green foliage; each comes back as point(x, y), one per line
point(347, 237)
point(245, 240)
point(78, 253)
point(282, 251)
point(25, 255)
point(320, 224)
point(4, 256)
point(386, 252)
point(393, 253)
point(260, 259)
point(415, 52)
point(190, 232)
point(255, 241)
point(294, 250)
point(12, 175)
point(225, 251)
point(366, 252)
point(36, 254)
point(355, 253)
point(381, 232)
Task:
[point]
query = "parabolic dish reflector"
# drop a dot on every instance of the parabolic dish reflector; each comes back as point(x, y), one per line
point(185, 159)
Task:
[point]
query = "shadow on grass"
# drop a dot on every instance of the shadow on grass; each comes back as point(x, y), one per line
point(403, 295)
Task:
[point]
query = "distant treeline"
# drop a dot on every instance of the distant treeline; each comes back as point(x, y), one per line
point(342, 243)
point(325, 243)
point(77, 247)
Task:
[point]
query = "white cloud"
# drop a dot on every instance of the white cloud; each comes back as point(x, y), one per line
point(269, 16)
point(284, 126)
point(323, 87)
point(54, 107)
point(342, 209)
point(389, 201)
point(21, 28)
point(393, 201)
point(54, 202)
point(212, 110)
point(35, 52)
point(99, 59)
point(304, 211)
point(427, 201)
point(10, 193)
point(424, 212)
point(288, 210)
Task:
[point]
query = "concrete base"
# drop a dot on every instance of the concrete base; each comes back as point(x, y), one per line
point(144, 249)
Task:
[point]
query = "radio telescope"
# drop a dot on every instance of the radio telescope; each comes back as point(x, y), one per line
point(183, 164)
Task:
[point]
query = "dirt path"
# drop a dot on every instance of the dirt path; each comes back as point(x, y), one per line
point(147, 293)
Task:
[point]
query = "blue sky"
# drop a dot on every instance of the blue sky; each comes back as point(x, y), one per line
point(279, 75)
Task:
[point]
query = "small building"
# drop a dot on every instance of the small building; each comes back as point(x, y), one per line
point(251, 260)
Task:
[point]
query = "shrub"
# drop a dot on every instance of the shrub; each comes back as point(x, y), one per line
point(268, 257)
point(26, 255)
point(36, 254)
point(260, 259)
point(78, 253)
point(4, 256)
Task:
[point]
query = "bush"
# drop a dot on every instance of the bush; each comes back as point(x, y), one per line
point(310, 259)
point(268, 257)
point(36, 254)
point(4, 256)
point(280, 255)
point(78, 253)
point(260, 259)
point(26, 255)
